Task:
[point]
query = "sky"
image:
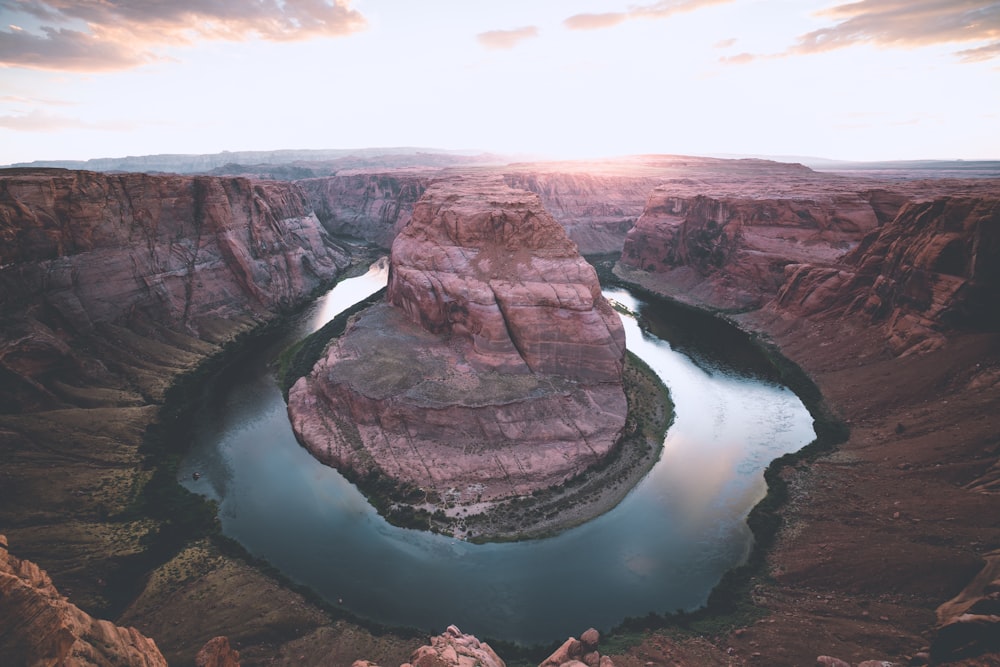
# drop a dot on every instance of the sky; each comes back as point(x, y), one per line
point(842, 79)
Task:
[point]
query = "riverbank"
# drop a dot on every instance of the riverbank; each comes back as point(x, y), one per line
point(544, 513)
point(874, 535)
point(599, 489)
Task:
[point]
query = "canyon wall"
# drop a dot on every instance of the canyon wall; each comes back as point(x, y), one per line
point(368, 206)
point(935, 268)
point(495, 367)
point(733, 249)
point(112, 287)
point(200, 256)
point(596, 209)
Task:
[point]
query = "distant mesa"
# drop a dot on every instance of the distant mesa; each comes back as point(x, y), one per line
point(492, 370)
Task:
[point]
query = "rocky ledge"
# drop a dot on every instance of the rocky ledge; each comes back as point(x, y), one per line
point(493, 370)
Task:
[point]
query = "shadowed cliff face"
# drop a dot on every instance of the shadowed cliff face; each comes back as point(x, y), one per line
point(373, 207)
point(493, 370)
point(932, 269)
point(735, 248)
point(85, 254)
point(597, 210)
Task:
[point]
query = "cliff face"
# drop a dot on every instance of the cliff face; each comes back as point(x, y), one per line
point(493, 370)
point(38, 626)
point(96, 247)
point(201, 256)
point(488, 264)
point(369, 206)
point(734, 249)
point(932, 269)
point(597, 210)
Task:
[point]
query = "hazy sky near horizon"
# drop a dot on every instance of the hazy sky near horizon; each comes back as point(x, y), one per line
point(861, 79)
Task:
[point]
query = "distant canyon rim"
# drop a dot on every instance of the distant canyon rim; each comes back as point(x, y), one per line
point(114, 288)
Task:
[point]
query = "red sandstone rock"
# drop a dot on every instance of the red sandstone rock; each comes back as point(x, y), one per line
point(452, 648)
point(487, 263)
point(217, 653)
point(369, 206)
point(931, 269)
point(100, 247)
point(738, 246)
point(81, 252)
point(496, 371)
point(597, 209)
point(38, 626)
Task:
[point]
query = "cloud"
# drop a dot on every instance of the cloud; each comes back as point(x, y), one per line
point(38, 121)
point(980, 53)
point(656, 10)
point(594, 21)
point(907, 24)
point(101, 35)
point(506, 39)
point(725, 44)
point(17, 99)
point(739, 59)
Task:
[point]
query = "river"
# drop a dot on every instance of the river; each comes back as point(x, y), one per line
point(662, 549)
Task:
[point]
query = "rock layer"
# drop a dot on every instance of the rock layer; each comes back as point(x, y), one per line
point(487, 263)
point(38, 626)
point(88, 255)
point(99, 248)
point(741, 244)
point(932, 269)
point(493, 370)
point(369, 206)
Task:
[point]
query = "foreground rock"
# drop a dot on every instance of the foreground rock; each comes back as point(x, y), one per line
point(38, 626)
point(455, 649)
point(495, 368)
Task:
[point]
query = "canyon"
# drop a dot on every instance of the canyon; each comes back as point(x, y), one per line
point(114, 287)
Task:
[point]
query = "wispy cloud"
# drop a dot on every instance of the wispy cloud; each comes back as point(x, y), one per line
point(18, 99)
point(100, 35)
point(909, 23)
point(740, 59)
point(594, 21)
point(38, 121)
point(656, 10)
point(506, 39)
point(980, 53)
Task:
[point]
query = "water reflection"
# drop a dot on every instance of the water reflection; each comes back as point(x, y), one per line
point(661, 549)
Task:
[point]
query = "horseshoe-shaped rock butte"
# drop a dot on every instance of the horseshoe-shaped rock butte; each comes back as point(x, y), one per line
point(493, 368)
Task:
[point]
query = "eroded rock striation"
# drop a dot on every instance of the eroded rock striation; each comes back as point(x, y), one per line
point(38, 626)
point(741, 244)
point(493, 369)
point(201, 256)
point(369, 206)
point(934, 268)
